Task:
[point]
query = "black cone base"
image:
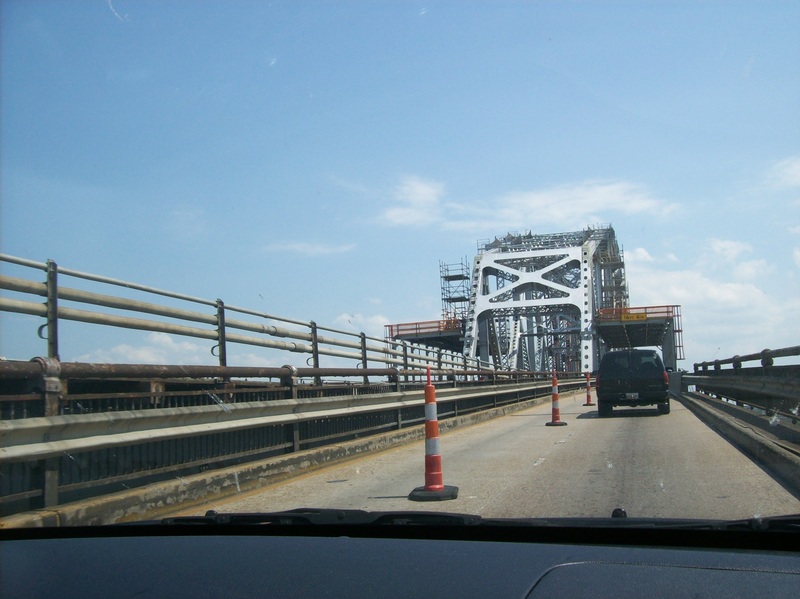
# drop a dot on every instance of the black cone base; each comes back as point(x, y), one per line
point(420, 494)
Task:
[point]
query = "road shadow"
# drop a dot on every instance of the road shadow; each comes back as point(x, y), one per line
point(625, 413)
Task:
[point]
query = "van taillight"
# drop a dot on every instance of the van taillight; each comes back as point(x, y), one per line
point(666, 378)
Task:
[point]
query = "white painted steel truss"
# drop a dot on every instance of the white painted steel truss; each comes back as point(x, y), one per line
point(533, 298)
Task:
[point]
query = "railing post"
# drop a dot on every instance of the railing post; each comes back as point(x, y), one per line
point(363, 337)
point(405, 361)
point(51, 482)
point(51, 372)
point(315, 352)
point(223, 353)
point(288, 380)
point(394, 380)
point(296, 436)
point(52, 310)
point(439, 364)
point(156, 389)
point(51, 385)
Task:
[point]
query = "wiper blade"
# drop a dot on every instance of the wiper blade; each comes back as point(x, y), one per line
point(348, 517)
point(314, 516)
point(787, 523)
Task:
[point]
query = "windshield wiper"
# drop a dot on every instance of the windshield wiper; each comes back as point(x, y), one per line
point(348, 517)
point(787, 523)
point(315, 516)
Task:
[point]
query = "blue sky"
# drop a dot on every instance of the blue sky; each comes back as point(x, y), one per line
point(317, 159)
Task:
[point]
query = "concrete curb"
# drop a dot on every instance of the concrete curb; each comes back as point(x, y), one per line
point(765, 452)
point(163, 499)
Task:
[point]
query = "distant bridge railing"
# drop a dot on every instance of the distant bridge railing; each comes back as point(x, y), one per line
point(119, 426)
point(218, 322)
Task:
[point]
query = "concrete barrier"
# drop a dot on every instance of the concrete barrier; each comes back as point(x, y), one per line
point(781, 463)
point(163, 499)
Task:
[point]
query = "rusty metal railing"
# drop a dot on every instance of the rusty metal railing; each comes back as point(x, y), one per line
point(83, 449)
point(211, 320)
point(766, 357)
point(767, 390)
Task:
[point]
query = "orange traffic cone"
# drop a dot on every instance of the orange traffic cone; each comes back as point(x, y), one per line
point(588, 390)
point(434, 489)
point(556, 417)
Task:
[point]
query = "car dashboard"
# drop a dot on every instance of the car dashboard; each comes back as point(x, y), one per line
point(408, 561)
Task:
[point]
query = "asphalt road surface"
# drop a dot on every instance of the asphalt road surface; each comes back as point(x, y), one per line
point(650, 465)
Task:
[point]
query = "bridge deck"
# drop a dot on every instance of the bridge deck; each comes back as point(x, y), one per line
point(651, 465)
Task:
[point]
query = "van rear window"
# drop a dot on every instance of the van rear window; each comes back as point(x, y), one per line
point(615, 362)
point(631, 361)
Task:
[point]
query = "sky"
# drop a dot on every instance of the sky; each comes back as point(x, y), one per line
point(316, 160)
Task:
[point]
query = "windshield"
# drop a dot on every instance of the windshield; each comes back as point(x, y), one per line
point(262, 256)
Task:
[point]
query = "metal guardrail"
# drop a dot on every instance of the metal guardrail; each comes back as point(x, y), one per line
point(637, 313)
point(68, 456)
point(452, 325)
point(765, 356)
point(47, 387)
point(220, 323)
point(70, 431)
point(772, 390)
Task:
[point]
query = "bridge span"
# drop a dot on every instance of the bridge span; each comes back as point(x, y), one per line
point(84, 443)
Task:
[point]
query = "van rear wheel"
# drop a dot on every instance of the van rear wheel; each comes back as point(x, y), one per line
point(663, 408)
point(604, 409)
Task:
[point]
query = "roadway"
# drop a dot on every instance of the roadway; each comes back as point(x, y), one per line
point(515, 466)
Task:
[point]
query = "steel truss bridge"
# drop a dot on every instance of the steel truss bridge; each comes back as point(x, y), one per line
point(87, 443)
point(545, 302)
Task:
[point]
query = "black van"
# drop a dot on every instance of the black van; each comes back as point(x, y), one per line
point(631, 377)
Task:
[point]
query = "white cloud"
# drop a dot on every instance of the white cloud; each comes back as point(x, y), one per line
point(639, 255)
point(258, 360)
point(582, 202)
point(160, 348)
point(417, 201)
point(786, 173)
point(652, 286)
point(372, 325)
point(726, 255)
point(422, 202)
point(729, 250)
point(724, 311)
point(750, 269)
point(310, 249)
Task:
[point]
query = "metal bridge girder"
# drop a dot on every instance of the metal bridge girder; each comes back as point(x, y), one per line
point(540, 292)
